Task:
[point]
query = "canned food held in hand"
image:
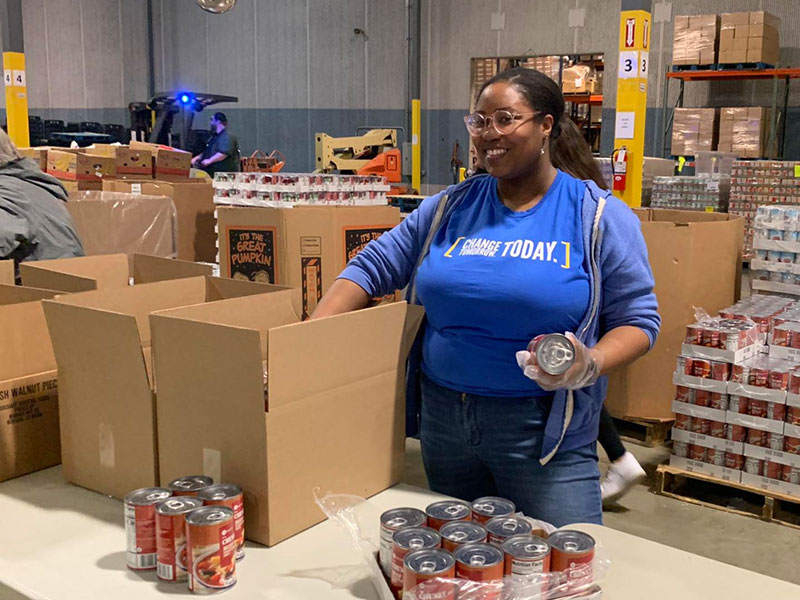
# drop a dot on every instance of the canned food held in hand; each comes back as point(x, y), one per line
point(554, 353)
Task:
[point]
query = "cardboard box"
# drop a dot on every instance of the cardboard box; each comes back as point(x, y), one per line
point(101, 341)
point(699, 21)
point(194, 203)
point(310, 431)
point(759, 17)
point(681, 22)
point(762, 30)
point(106, 272)
point(110, 223)
point(304, 247)
point(130, 162)
point(730, 20)
point(72, 166)
point(29, 438)
point(7, 272)
point(725, 39)
point(168, 163)
point(681, 246)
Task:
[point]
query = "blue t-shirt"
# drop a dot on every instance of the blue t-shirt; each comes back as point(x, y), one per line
point(495, 279)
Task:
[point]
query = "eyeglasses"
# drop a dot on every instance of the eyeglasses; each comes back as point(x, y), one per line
point(504, 121)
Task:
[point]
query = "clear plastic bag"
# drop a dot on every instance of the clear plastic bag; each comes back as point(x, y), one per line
point(353, 513)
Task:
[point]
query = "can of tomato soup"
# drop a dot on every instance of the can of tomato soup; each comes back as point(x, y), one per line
point(458, 533)
point(210, 549)
point(526, 555)
point(189, 485)
point(572, 554)
point(480, 562)
point(489, 507)
point(404, 542)
point(140, 527)
point(171, 536)
point(445, 511)
point(734, 461)
point(502, 528)
point(230, 495)
point(394, 520)
point(425, 570)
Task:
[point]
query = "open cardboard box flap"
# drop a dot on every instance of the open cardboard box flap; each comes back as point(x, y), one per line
point(7, 272)
point(102, 342)
point(26, 348)
point(15, 294)
point(334, 417)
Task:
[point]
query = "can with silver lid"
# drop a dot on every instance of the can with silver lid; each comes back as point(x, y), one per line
point(394, 520)
point(526, 555)
point(502, 528)
point(406, 541)
point(445, 511)
point(424, 572)
point(572, 553)
point(230, 495)
point(140, 527)
point(554, 352)
point(189, 485)
point(480, 562)
point(490, 507)
point(210, 549)
point(171, 536)
point(458, 533)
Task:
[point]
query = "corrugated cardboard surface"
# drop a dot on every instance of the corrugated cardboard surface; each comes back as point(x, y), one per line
point(696, 260)
point(130, 162)
point(194, 203)
point(101, 341)
point(79, 166)
point(77, 274)
point(110, 223)
point(304, 247)
point(168, 163)
point(29, 438)
point(335, 413)
point(7, 272)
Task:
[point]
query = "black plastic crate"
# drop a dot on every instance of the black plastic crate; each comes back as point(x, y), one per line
point(118, 132)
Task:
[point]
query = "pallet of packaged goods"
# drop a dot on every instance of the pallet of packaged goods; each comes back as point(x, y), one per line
point(762, 182)
point(705, 193)
point(737, 408)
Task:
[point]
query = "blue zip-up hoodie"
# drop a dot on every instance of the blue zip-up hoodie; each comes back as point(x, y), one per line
point(621, 293)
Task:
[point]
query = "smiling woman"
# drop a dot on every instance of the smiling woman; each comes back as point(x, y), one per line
point(497, 260)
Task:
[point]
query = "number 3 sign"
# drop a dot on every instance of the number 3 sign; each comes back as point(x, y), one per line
point(629, 65)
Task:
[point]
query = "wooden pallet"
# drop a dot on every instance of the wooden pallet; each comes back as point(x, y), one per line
point(728, 496)
point(749, 66)
point(644, 433)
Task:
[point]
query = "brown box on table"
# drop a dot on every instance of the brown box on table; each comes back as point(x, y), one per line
point(80, 167)
point(168, 163)
point(130, 162)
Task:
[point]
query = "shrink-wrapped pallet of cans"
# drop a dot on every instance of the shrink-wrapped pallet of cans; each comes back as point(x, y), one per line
point(776, 253)
point(706, 193)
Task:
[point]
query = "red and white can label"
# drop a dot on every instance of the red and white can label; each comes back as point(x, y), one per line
point(140, 534)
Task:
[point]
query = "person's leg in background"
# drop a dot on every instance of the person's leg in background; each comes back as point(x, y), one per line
point(624, 470)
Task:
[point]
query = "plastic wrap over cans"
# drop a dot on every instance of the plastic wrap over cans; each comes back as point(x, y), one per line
point(118, 223)
point(357, 517)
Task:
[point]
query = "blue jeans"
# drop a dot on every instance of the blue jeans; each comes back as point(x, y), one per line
point(475, 446)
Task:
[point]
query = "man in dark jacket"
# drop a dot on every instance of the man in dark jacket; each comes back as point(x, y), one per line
point(222, 150)
point(34, 222)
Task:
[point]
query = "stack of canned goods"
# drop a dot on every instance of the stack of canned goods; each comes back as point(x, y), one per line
point(726, 334)
point(777, 224)
point(703, 192)
point(284, 190)
point(191, 531)
point(481, 541)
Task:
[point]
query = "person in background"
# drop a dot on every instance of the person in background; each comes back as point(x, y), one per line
point(495, 261)
point(34, 222)
point(572, 154)
point(222, 150)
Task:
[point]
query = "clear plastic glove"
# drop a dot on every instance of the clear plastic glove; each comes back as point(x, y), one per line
point(583, 372)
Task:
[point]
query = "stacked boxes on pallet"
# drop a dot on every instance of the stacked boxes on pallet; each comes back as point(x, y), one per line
point(755, 183)
point(744, 131)
point(693, 130)
point(776, 254)
point(737, 409)
point(705, 193)
point(749, 37)
point(695, 40)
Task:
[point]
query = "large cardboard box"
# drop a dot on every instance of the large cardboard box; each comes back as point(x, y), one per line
point(110, 222)
point(7, 272)
point(336, 425)
point(130, 162)
point(29, 438)
point(696, 260)
point(695, 39)
point(693, 130)
point(112, 271)
point(73, 166)
point(303, 247)
point(168, 163)
point(101, 341)
point(194, 203)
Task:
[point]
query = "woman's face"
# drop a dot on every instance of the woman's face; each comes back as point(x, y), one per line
point(515, 154)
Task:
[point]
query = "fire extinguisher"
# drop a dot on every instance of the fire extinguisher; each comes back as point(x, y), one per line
point(619, 168)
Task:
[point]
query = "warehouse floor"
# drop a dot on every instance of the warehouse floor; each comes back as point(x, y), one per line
point(766, 548)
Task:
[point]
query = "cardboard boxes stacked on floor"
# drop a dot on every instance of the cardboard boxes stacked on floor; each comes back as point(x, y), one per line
point(762, 182)
point(737, 407)
point(726, 39)
point(741, 130)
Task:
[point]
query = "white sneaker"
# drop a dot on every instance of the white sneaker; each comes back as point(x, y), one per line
point(621, 476)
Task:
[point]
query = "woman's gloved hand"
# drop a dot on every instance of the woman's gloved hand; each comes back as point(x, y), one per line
point(583, 372)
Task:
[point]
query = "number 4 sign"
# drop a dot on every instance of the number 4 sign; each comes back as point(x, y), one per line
point(7, 77)
point(19, 78)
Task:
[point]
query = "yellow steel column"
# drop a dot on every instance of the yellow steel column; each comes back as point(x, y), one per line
point(634, 65)
point(416, 148)
point(16, 98)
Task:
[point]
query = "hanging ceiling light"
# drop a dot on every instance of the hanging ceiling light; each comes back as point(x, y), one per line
point(216, 6)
